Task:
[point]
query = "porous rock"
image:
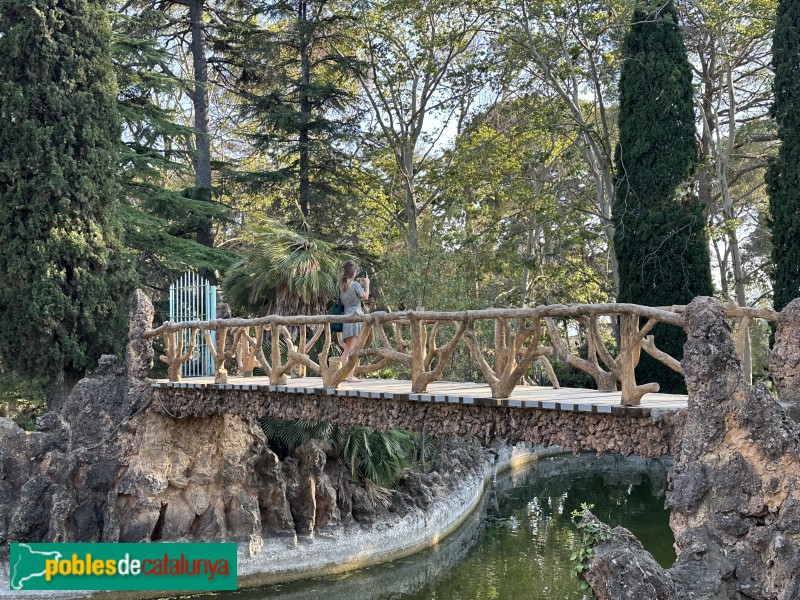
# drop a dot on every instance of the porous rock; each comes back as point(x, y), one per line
point(734, 491)
point(784, 360)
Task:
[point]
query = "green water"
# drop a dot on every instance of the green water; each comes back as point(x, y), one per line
point(517, 545)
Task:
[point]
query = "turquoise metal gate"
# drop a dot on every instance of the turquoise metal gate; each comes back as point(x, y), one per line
point(193, 298)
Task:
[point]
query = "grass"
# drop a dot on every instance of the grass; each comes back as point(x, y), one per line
point(22, 399)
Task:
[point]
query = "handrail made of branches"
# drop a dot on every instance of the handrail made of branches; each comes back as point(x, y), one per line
point(413, 341)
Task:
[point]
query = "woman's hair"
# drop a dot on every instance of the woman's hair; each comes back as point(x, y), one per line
point(347, 275)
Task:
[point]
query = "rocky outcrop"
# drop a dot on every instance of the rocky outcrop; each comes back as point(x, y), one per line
point(110, 467)
point(734, 494)
point(784, 360)
point(621, 569)
point(68, 468)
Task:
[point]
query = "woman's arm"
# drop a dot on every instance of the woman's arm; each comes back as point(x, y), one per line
point(365, 287)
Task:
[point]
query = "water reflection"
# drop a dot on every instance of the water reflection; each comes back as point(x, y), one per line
point(518, 544)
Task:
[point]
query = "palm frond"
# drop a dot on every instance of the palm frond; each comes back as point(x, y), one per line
point(286, 273)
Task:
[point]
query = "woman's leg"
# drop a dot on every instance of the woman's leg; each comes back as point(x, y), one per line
point(349, 344)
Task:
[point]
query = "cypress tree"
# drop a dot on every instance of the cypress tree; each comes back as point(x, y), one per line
point(783, 175)
point(660, 237)
point(64, 282)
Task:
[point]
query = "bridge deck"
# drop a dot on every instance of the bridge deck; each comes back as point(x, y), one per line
point(524, 396)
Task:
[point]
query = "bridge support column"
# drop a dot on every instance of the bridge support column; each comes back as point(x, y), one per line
point(784, 361)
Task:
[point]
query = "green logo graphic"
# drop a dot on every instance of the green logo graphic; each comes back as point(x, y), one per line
point(123, 567)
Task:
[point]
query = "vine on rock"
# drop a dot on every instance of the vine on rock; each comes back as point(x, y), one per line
point(592, 533)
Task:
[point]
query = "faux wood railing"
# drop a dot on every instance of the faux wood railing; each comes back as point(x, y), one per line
point(413, 339)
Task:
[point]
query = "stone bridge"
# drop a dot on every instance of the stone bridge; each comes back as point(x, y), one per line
point(636, 420)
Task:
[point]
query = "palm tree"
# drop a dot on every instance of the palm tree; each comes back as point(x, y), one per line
point(286, 273)
point(377, 456)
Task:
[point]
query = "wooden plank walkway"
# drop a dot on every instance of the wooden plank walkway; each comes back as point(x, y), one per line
point(477, 394)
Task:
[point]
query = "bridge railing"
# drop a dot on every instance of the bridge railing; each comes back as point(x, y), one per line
point(412, 339)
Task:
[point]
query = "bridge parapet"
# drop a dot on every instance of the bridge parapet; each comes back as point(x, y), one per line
point(424, 342)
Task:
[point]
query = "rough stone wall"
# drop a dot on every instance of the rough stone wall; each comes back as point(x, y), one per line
point(58, 481)
point(734, 495)
point(784, 361)
point(642, 436)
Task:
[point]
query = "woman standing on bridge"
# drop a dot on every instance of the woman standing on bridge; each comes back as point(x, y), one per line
point(351, 293)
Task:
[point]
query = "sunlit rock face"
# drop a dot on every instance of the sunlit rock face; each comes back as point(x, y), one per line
point(734, 492)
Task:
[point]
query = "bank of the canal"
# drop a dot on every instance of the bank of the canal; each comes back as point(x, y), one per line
point(517, 543)
point(506, 533)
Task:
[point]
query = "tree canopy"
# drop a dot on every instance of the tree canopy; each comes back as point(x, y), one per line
point(463, 150)
point(660, 237)
point(783, 178)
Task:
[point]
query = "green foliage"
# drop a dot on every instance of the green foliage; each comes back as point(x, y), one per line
point(22, 399)
point(159, 224)
point(64, 281)
point(380, 456)
point(660, 239)
point(377, 456)
point(286, 435)
point(285, 273)
point(295, 83)
point(591, 535)
point(783, 175)
point(161, 254)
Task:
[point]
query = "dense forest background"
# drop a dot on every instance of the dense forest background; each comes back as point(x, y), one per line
point(472, 139)
point(463, 151)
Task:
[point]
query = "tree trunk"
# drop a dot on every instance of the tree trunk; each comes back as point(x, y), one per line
point(68, 380)
point(305, 109)
point(411, 199)
point(202, 156)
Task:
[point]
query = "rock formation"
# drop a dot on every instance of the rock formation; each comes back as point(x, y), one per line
point(734, 492)
point(111, 468)
point(784, 361)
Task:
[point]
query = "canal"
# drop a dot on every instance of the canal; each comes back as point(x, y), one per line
point(518, 544)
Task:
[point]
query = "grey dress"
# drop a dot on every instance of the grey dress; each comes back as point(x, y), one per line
point(351, 300)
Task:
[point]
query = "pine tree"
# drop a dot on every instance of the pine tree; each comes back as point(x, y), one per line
point(660, 238)
point(64, 281)
point(783, 175)
point(295, 80)
point(161, 226)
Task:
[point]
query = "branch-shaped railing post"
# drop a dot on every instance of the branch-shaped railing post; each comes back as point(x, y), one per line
point(388, 354)
point(279, 370)
point(741, 337)
point(424, 351)
point(258, 347)
point(299, 358)
point(509, 345)
point(548, 370)
point(630, 350)
point(333, 376)
point(218, 352)
point(277, 375)
point(248, 350)
point(606, 380)
point(173, 351)
point(301, 349)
